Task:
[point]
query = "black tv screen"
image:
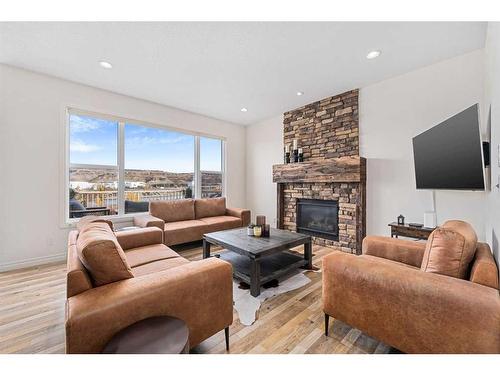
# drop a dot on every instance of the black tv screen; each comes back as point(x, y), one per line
point(449, 155)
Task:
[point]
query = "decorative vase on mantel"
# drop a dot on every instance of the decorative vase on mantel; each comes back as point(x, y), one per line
point(301, 155)
point(287, 154)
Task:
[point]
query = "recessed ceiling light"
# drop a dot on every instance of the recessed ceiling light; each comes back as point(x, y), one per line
point(105, 64)
point(300, 93)
point(244, 109)
point(373, 55)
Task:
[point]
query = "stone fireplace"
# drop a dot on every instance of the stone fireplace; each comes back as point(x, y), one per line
point(324, 196)
point(318, 217)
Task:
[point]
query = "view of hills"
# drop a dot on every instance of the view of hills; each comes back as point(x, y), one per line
point(147, 177)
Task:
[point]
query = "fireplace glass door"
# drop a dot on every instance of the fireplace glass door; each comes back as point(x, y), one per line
point(318, 218)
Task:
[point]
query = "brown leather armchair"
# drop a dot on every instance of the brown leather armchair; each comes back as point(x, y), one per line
point(385, 293)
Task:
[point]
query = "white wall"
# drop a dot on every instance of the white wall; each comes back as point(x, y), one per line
point(391, 113)
point(31, 125)
point(264, 148)
point(492, 100)
point(395, 110)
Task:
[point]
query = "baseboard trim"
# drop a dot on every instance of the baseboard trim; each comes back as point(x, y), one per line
point(9, 266)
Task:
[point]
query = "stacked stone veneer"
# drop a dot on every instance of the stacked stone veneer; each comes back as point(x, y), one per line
point(324, 130)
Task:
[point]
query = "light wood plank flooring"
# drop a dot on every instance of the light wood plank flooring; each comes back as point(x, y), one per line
point(32, 317)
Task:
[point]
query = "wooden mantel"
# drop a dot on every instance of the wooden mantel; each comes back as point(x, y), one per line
point(343, 169)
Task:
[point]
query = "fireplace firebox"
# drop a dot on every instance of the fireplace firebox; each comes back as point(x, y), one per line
point(318, 218)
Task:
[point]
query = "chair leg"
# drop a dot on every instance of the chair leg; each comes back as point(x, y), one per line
point(226, 333)
point(327, 319)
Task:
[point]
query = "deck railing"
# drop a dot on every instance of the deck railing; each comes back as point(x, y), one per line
point(109, 198)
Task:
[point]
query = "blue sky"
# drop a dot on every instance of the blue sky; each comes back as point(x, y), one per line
point(94, 141)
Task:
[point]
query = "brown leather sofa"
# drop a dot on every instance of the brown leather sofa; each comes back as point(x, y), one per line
point(117, 279)
point(439, 296)
point(186, 220)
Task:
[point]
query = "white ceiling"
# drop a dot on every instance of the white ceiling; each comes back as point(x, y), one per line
point(215, 69)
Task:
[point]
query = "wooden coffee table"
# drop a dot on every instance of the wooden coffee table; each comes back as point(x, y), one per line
point(257, 260)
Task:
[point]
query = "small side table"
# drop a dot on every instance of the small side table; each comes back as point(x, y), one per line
point(156, 335)
point(421, 233)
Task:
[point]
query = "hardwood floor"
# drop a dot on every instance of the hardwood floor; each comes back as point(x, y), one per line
point(32, 317)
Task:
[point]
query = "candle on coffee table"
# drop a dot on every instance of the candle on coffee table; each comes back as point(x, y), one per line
point(261, 220)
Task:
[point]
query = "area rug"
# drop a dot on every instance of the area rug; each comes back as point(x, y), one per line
point(247, 306)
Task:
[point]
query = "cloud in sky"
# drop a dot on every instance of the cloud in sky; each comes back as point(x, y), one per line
point(137, 142)
point(80, 146)
point(82, 124)
point(136, 129)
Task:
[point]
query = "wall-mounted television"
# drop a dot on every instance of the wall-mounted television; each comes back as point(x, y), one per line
point(449, 155)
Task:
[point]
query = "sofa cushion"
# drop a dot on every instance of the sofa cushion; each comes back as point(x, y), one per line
point(77, 278)
point(101, 254)
point(184, 231)
point(387, 261)
point(450, 249)
point(86, 220)
point(170, 211)
point(216, 223)
point(403, 251)
point(210, 207)
point(147, 254)
point(159, 266)
point(137, 237)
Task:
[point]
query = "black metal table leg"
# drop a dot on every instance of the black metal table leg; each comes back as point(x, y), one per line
point(206, 249)
point(255, 277)
point(308, 255)
point(226, 335)
point(327, 322)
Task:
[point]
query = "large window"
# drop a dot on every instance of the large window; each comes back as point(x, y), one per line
point(117, 167)
point(93, 170)
point(211, 167)
point(159, 165)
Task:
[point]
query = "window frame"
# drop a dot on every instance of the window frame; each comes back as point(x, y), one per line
point(121, 120)
point(198, 186)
